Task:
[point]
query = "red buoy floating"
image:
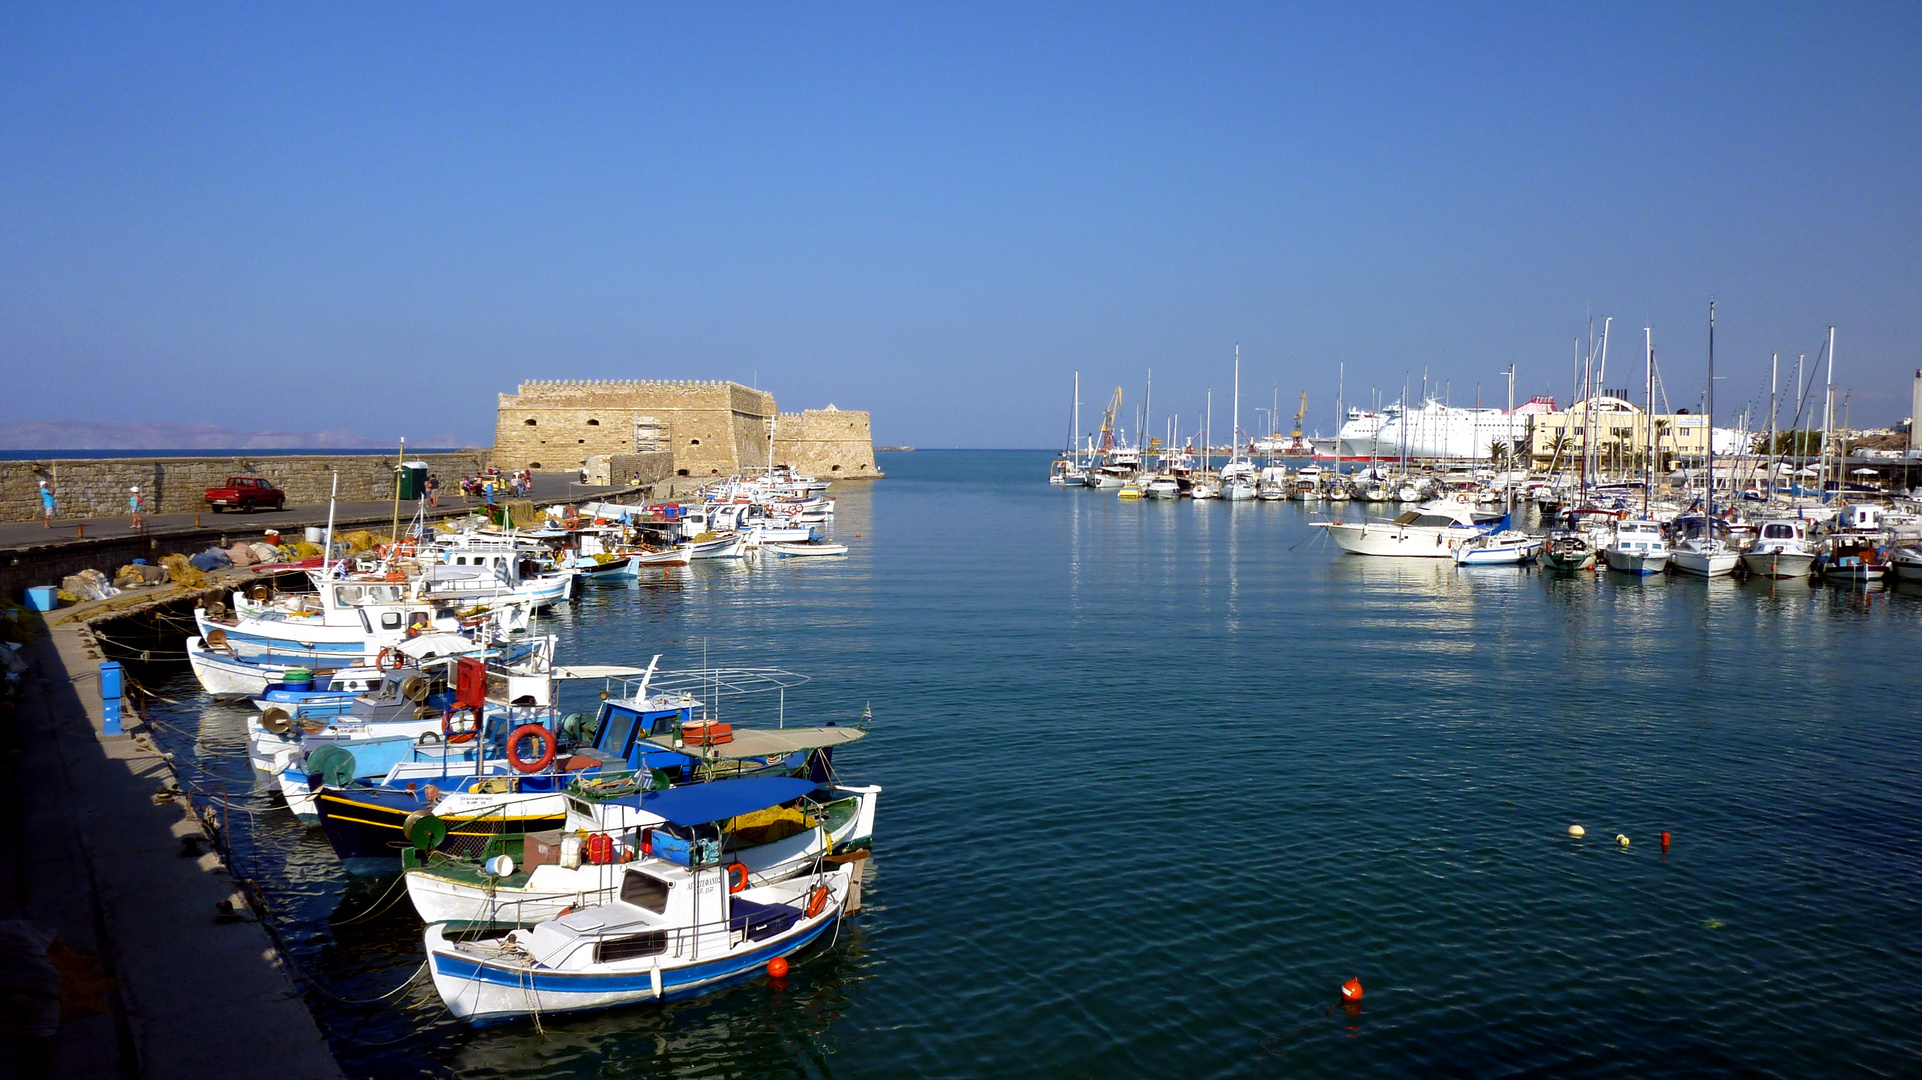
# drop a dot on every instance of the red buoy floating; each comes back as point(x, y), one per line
point(777, 968)
point(1351, 990)
point(1665, 841)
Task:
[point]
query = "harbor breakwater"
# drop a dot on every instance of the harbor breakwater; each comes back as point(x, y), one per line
point(97, 487)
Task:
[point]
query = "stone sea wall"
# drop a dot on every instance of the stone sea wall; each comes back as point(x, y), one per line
point(96, 487)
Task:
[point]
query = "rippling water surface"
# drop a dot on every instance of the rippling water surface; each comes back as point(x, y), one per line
point(1160, 776)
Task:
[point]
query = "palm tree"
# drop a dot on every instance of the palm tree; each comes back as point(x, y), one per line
point(1560, 444)
point(1661, 432)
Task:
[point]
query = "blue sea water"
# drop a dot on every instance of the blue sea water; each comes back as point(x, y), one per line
point(1160, 776)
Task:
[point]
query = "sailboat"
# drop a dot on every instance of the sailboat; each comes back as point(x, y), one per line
point(1707, 555)
point(1068, 470)
point(1238, 477)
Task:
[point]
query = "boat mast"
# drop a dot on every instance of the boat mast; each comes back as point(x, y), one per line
point(1648, 417)
point(1828, 420)
point(1236, 456)
point(1708, 521)
point(1508, 477)
point(1208, 437)
point(1775, 364)
point(1148, 408)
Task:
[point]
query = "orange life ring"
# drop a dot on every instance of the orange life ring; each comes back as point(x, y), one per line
point(389, 653)
point(465, 733)
point(734, 886)
point(817, 900)
point(514, 748)
point(647, 841)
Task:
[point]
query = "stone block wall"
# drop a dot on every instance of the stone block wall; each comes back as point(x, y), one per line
point(97, 487)
point(713, 428)
point(828, 443)
point(637, 470)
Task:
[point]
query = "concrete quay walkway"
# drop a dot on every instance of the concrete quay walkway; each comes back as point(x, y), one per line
point(154, 982)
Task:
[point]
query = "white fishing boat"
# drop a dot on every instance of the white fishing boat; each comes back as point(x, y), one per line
point(778, 827)
point(1781, 551)
point(672, 932)
point(816, 549)
point(1637, 548)
point(1431, 531)
point(724, 547)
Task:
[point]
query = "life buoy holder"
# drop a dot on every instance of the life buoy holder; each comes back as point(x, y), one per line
point(817, 900)
point(467, 731)
point(735, 884)
point(389, 659)
point(526, 731)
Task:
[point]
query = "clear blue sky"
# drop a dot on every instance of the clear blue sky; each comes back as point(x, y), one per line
point(377, 217)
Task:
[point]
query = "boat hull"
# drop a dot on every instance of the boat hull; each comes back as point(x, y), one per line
point(1779, 564)
point(1409, 542)
point(1635, 563)
point(1703, 563)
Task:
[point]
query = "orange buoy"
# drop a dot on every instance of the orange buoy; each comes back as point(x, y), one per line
point(1665, 841)
point(1351, 990)
point(777, 968)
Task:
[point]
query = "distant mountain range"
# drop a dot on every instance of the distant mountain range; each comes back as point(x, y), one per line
point(108, 435)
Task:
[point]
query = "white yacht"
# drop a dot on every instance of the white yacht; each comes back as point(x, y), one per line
point(1432, 531)
point(1638, 548)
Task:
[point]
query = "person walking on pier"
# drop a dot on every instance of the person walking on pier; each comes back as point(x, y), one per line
point(46, 504)
point(134, 506)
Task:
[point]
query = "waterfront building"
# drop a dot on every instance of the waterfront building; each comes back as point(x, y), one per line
point(1621, 434)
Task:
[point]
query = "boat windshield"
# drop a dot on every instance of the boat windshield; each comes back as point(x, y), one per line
point(1435, 520)
point(1407, 518)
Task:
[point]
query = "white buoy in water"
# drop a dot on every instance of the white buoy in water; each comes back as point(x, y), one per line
point(1577, 831)
point(1622, 839)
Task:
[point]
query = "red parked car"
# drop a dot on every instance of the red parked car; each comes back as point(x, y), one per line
point(246, 493)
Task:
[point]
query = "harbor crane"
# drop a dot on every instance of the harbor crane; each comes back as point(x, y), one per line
point(1107, 420)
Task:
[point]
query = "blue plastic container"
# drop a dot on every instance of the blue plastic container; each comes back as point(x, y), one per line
point(112, 684)
point(43, 597)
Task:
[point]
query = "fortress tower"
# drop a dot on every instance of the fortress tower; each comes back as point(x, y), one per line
point(713, 428)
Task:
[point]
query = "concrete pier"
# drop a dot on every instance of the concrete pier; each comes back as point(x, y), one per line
point(153, 985)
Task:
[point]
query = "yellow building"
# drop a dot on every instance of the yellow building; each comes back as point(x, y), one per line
point(1621, 435)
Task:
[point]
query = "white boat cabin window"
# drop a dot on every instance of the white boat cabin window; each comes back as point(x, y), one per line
point(644, 891)
point(390, 620)
point(1778, 532)
point(630, 947)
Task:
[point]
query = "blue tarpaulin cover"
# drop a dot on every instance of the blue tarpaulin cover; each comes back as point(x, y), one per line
point(718, 800)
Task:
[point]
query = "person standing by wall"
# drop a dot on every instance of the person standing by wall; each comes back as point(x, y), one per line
point(46, 504)
point(134, 506)
point(433, 490)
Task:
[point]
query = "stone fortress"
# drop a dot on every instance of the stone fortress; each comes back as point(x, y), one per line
point(710, 429)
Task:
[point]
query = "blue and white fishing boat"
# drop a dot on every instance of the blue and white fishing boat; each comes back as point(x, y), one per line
point(671, 932)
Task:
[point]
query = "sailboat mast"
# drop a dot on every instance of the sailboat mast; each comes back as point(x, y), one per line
point(1775, 364)
point(1708, 523)
point(1236, 455)
point(1508, 478)
point(1648, 416)
point(1828, 417)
